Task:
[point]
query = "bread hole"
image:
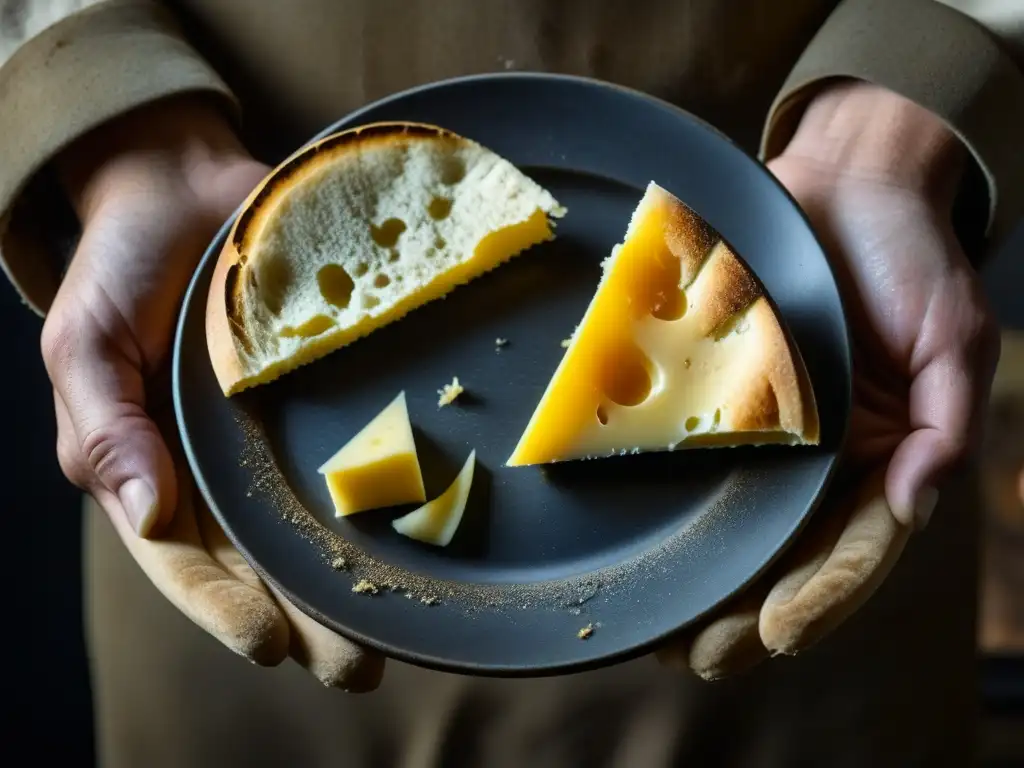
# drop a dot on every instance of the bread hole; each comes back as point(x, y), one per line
point(716, 420)
point(440, 243)
point(453, 169)
point(692, 423)
point(392, 257)
point(439, 208)
point(312, 327)
point(335, 285)
point(387, 234)
point(602, 415)
point(272, 281)
point(360, 269)
point(381, 281)
point(626, 376)
point(370, 301)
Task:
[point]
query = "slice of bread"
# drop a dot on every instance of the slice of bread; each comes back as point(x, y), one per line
point(679, 348)
point(355, 231)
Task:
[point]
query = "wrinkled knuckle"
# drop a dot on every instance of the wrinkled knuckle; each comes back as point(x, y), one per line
point(100, 449)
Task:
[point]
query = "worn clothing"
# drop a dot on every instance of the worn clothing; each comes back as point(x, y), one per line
point(293, 66)
point(167, 695)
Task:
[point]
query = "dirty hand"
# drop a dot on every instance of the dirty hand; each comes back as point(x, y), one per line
point(151, 189)
point(876, 175)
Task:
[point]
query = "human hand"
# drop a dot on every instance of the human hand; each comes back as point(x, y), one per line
point(151, 189)
point(876, 176)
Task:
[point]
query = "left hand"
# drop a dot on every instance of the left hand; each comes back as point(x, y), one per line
point(876, 175)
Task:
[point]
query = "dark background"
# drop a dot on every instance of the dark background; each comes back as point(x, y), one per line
point(47, 667)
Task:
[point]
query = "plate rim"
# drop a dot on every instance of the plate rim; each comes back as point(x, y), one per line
point(510, 670)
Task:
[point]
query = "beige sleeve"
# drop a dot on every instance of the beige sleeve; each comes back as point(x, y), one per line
point(66, 67)
point(961, 59)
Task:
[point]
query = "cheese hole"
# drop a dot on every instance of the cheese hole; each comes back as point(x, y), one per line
point(602, 414)
point(272, 281)
point(335, 285)
point(692, 423)
point(387, 234)
point(669, 304)
point(626, 376)
point(312, 327)
point(439, 208)
point(381, 281)
point(453, 170)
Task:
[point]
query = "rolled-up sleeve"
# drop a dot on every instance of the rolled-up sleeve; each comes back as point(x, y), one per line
point(71, 77)
point(939, 56)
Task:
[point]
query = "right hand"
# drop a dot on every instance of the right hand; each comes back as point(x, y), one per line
point(151, 189)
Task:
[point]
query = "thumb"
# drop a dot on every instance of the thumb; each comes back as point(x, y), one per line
point(106, 440)
point(948, 398)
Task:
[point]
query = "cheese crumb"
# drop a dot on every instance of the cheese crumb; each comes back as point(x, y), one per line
point(566, 342)
point(450, 392)
point(339, 564)
point(500, 342)
point(365, 587)
point(586, 632)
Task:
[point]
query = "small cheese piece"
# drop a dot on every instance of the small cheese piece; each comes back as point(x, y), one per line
point(680, 347)
point(378, 467)
point(436, 521)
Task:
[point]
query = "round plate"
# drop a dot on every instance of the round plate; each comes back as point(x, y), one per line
point(632, 547)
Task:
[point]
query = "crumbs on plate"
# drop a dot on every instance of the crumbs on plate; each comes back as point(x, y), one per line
point(364, 587)
point(450, 392)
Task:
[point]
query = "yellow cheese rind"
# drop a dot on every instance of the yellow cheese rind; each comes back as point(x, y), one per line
point(378, 467)
point(437, 520)
point(679, 348)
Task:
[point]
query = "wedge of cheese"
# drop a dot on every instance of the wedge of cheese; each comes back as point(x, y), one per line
point(355, 231)
point(378, 467)
point(679, 348)
point(437, 520)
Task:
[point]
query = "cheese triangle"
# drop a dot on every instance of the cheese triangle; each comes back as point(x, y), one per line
point(679, 348)
point(437, 520)
point(378, 467)
point(355, 231)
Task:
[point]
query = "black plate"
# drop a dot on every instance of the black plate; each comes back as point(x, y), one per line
point(636, 546)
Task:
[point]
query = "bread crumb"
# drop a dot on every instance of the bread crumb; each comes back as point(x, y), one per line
point(450, 392)
point(566, 342)
point(339, 564)
point(500, 342)
point(586, 632)
point(364, 587)
point(430, 600)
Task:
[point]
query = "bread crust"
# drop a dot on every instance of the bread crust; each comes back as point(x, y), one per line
point(776, 391)
point(225, 333)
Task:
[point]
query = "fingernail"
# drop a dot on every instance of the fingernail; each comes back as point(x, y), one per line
point(139, 504)
point(927, 498)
